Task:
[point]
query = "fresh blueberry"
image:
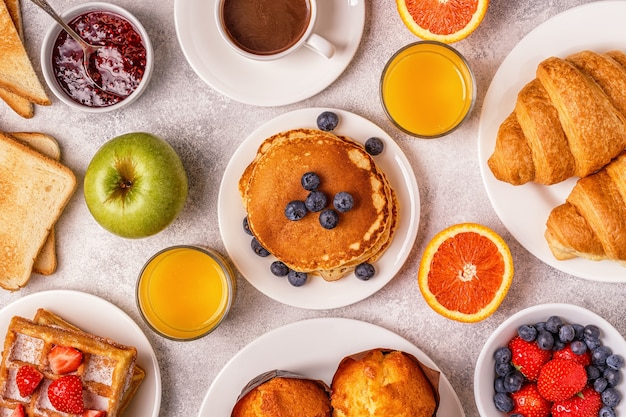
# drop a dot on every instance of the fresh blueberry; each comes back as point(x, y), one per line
point(498, 384)
point(612, 376)
point(606, 412)
point(316, 201)
point(611, 397)
point(503, 402)
point(545, 340)
point(593, 372)
point(279, 269)
point(310, 181)
point(558, 345)
point(502, 355)
point(527, 332)
point(258, 249)
point(599, 355)
point(592, 332)
point(600, 384)
point(327, 121)
point(343, 201)
point(593, 344)
point(295, 210)
point(515, 415)
point(553, 324)
point(578, 347)
point(615, 361)
point(580, 331)
point(503, 368)
point(567, 333)
point(246, 226)
point(374, 146)
point(364, 271)
point(540, 326)
point(297, 279)
point(329, 219)
point(513, 381)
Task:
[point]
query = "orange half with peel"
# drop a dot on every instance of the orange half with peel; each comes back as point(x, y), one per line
point(445, 21)
point(465, 272)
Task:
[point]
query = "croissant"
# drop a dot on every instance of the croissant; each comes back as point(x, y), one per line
point(568, 121)
point(592, 221)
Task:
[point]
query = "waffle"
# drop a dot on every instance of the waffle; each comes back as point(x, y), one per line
point(107, 372)
point(273, 179)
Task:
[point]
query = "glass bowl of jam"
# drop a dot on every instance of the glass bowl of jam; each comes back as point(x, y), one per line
point(122, 67)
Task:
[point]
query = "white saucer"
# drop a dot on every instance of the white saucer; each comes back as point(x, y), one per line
point(302, 347)
point(275, 83)
point(97, 316)
point(319, 294)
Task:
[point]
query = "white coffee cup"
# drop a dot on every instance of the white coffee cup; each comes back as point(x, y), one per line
point(246, 30)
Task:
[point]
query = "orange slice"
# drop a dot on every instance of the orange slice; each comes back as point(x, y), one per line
point(465, 272)
point(445, 21)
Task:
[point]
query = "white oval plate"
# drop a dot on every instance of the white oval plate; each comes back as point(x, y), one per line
point(271, 83)
point(303, 347)
point(484, 371)
point(524, 209)
point(97, 316)
point(317, 293)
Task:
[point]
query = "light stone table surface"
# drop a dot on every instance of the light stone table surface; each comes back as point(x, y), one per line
point(206, 127)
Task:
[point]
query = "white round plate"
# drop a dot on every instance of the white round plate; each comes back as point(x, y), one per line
point(270, 83)
point(97, 316)
point(303, 348)
point(524, 209)
point(317, 293)
point(484, 371)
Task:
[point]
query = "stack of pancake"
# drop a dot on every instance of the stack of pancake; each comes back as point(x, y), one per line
point(272, 180)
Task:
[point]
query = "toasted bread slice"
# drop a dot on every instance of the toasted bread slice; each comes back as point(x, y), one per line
point(35, 190)
point(17, 74)
point(46, 261)
point(19, 104)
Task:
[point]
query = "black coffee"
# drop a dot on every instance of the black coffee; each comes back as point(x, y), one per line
point(266, 27)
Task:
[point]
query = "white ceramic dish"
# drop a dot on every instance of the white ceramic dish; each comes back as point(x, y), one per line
point(317, 293)
point(52, 35)
point(95, 315)
point(524, 209)
point(484, 370)
point(302, 347)
point(273, 83)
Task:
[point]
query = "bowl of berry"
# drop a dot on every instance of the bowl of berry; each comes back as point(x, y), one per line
point(553, 360)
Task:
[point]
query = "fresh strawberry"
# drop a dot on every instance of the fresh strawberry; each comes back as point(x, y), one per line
point(27, 380)
point(527, 357)
point(18, 411)
point(66, 394)
point(64, 359)
point(587, 403)
point(566, 353)
point(559, 379)
point(94, 413)
point(529, 403)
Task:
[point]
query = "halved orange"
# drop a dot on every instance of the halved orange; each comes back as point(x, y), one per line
point(445, 21)
point(465, 272)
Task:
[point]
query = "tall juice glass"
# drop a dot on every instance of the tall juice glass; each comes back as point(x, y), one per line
point(427, 89)
point(184, 292)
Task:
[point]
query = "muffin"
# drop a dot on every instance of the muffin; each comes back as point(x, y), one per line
point(383, 383)
point(282, 394)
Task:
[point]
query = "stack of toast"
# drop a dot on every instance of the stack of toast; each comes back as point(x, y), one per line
point(108, 372)
point(34, 189)
point(20, 87)
point(272, 180)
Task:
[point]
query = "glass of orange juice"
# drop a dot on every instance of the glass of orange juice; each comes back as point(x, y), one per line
point(184, 292)
point(427, 89)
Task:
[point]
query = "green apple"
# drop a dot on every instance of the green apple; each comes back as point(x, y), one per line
point(135, 185)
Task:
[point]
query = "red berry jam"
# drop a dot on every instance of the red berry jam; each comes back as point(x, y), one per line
point(118, 67)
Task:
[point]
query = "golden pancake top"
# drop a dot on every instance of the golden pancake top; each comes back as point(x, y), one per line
point(272, 180)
